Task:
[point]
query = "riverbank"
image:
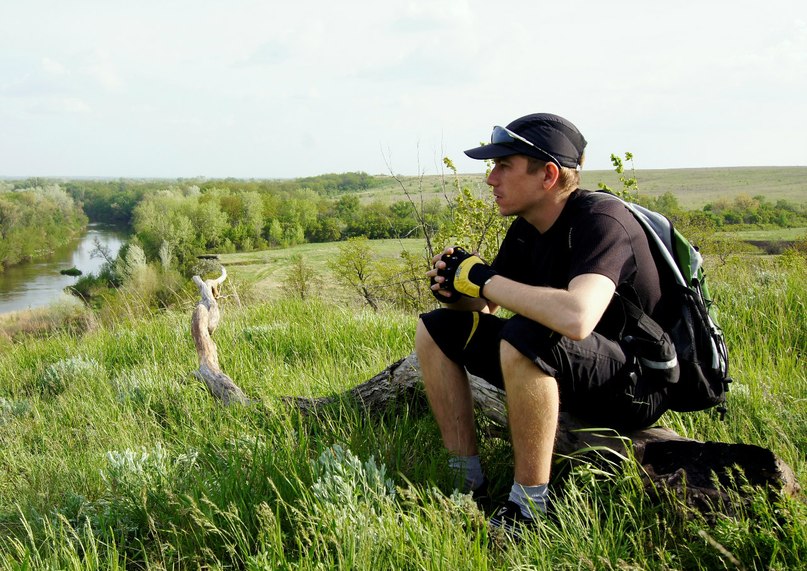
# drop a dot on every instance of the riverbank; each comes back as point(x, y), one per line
point(41, 282)
point(66, 315)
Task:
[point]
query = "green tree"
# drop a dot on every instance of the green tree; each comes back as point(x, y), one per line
point(475, 225)
point(347, 207)
point(405, 285)
point(36, 220)
point(160, 218)
point(374, 222)
point(302, 281)
point(328, 229)
point(666, 204)
point(211, 224)
point(275, 232)
point(355, 267)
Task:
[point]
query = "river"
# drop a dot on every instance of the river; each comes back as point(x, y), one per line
point(40, 283)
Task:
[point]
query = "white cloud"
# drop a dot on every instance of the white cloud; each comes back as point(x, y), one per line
point(104, 71)
point(53, 67)
point(60, 106)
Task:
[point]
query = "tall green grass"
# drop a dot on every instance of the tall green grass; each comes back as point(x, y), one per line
point(114, 456)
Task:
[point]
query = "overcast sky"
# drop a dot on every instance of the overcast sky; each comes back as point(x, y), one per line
point(266, 89)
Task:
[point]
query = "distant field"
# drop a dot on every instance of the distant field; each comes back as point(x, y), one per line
point(694, 188)
point(778, 234)
point(266, 270)
point(768, 241)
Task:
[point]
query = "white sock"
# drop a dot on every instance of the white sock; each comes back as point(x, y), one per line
point(469, 468)
point(529, 499)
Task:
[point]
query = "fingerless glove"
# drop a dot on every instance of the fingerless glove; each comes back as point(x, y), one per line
point(465, 273)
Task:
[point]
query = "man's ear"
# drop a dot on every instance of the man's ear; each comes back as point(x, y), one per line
point(551, 174)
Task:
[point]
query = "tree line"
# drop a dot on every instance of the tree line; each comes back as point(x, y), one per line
point(228, 215)
point(36, 220)
point(181, 219)
point(114, 201)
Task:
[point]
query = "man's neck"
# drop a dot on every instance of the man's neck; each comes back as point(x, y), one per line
point(547, 212)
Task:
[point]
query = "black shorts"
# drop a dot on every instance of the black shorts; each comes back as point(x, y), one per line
point(595, 376)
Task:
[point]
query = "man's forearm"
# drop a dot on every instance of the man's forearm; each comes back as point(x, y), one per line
point(572, 312)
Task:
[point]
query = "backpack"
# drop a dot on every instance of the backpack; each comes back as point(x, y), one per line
point(686, 314)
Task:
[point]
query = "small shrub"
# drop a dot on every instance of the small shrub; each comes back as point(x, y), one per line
point(58, 376)
point(129, 471)
point(302, 281)
point(10, 409)
point(341, 476)
point(348, 494)
point(88, 288)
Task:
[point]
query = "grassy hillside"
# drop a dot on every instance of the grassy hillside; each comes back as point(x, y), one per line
point(114, 455)
point(693, 187)
point(696, 187)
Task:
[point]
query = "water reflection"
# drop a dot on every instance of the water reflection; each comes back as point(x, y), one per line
point(40, 283)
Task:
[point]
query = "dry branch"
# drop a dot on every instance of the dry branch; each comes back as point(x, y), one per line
point(205, 319)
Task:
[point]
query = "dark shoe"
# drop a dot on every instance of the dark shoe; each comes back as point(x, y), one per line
point(481, 496)
point(509, 519)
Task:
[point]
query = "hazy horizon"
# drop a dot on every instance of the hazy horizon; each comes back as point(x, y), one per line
point(183, 177)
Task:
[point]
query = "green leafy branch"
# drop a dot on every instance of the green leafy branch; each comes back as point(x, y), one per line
point(630, 185)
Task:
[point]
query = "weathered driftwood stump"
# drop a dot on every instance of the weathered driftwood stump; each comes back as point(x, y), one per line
point(688, 468)
point(205, 319)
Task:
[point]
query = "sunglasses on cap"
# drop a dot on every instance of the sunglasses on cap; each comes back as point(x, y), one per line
point(503, 135)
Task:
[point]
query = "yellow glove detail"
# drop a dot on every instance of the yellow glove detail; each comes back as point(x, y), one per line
point(462, 283)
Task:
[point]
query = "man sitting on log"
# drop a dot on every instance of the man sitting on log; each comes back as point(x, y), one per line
point(557, 270)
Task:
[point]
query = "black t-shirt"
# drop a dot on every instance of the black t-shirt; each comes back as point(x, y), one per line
point(593, 235)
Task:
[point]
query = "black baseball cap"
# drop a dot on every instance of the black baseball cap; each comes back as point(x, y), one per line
point(541, 135)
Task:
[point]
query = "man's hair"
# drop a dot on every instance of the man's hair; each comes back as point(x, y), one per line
point(568, 179)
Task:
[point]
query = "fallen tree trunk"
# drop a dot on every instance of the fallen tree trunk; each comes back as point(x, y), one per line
point(670, 460)
point(689, 468)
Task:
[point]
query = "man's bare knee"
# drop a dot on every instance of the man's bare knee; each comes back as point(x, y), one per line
point(514, 360)
point(434, 364)
point(510, 356)
point(423, 339)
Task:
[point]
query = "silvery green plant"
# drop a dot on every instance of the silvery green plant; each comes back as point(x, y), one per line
point(59, 375)
point(128, 472)
point(135, 386)
point(134, 261)
point(342, 476)
point(347, 494)
point(11, 409)
point(166, 254)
